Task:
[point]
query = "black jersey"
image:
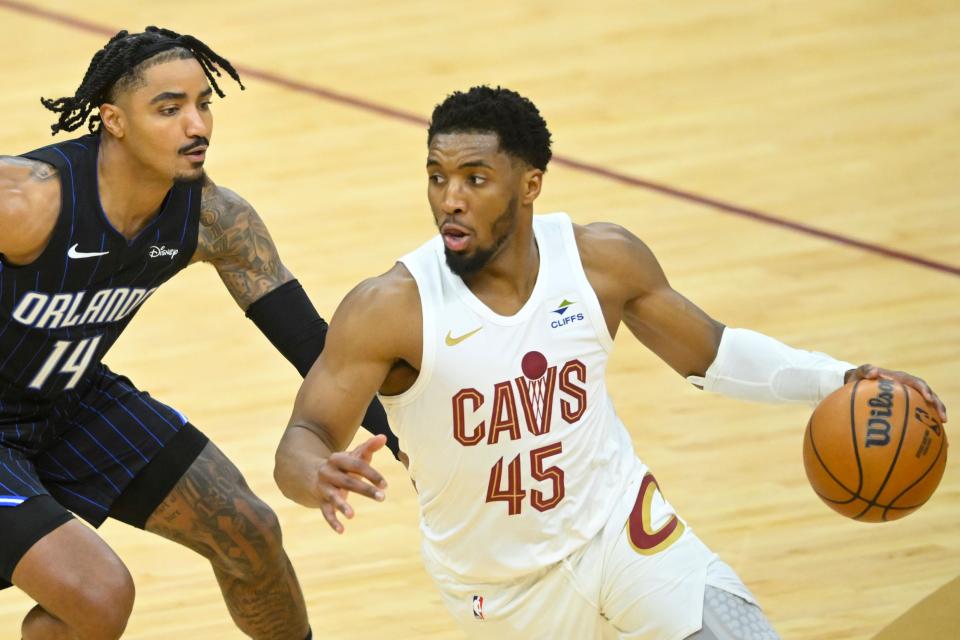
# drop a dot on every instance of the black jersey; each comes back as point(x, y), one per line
point(60, 314)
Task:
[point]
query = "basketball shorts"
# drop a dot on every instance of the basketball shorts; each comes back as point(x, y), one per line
point(106, 449)
point(642, 576)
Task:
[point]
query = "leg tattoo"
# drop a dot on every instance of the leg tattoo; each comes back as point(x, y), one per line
point(213, 512)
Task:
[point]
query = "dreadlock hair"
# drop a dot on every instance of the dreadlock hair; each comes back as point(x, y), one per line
point(516, 121)
point(120, 65)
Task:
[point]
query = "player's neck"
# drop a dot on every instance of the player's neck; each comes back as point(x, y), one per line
point(129, 195)
point(507, 281)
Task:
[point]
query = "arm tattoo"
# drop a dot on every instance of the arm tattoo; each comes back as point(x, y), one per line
point(234, 239)
point(39, 171)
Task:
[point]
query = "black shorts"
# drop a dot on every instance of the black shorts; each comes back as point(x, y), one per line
point(108, 450)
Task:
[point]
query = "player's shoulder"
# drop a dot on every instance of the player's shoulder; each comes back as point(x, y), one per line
point(612, 247)
point(27, 182)
point(225, 222)
point(388, 294)
point(18, 165)
point(382, 314)
point(29, 203)
point(219, 203)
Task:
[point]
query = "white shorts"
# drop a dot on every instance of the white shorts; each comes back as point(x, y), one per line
point(642, 576)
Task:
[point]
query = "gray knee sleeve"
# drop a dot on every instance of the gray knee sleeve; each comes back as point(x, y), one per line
point(729, 617)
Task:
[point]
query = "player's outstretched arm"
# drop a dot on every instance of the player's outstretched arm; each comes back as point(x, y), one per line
point(234, 239)
point(369, 333)
point(736, 362)
point(29, 205)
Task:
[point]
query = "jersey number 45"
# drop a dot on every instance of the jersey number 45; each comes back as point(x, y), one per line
point(513, 494)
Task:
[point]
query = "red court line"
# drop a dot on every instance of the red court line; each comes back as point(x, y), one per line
point(577, 165)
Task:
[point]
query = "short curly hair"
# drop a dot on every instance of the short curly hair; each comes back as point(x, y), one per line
point(517, 122)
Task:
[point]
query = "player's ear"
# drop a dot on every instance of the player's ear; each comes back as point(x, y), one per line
point(532, 181)
point(111, 117)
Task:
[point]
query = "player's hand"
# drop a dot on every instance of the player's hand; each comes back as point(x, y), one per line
point(348, 471)
point(870, 372)
point(307, 473)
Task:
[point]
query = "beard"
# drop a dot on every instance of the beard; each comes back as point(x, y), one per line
point(462, 264)
point(185, 177)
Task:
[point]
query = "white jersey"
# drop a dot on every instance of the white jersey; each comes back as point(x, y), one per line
point(515, 448)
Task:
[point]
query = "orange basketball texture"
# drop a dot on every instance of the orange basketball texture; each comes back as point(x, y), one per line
point(874, 450)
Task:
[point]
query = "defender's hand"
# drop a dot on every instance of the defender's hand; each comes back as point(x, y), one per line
point(870, 372)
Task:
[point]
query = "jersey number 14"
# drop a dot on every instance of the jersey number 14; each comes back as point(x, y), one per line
point(76, 363)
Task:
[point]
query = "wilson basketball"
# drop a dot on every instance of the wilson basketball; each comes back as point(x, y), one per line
point(874, 450)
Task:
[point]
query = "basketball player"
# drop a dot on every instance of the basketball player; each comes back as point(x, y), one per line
point(89, 228)
point(488, 346)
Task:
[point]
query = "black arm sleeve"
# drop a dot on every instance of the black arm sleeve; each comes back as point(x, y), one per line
point(291, 323)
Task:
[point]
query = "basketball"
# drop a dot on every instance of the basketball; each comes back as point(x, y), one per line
point(874, 450)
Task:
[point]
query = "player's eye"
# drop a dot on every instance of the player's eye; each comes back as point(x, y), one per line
point(436, 178)
point(477, 179)
point(169, 111)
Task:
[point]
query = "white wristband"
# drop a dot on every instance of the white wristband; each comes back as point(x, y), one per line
point(752, 366)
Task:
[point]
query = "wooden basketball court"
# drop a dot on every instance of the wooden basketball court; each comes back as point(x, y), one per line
point(794, 166)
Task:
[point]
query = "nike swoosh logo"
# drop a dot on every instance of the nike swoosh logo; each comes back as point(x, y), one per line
point(73, 253)
point(452, 342)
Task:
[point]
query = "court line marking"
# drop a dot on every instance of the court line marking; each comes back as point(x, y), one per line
point(571, 163)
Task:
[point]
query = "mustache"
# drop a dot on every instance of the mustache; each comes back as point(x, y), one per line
point(197, 142)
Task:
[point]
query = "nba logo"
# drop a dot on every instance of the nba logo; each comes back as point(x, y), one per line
point(478, 607)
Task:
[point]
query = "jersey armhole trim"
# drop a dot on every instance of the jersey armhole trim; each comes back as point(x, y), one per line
point(591, 300)
point(429, 346)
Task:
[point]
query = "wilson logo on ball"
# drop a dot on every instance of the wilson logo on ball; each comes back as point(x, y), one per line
point(878, 427)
